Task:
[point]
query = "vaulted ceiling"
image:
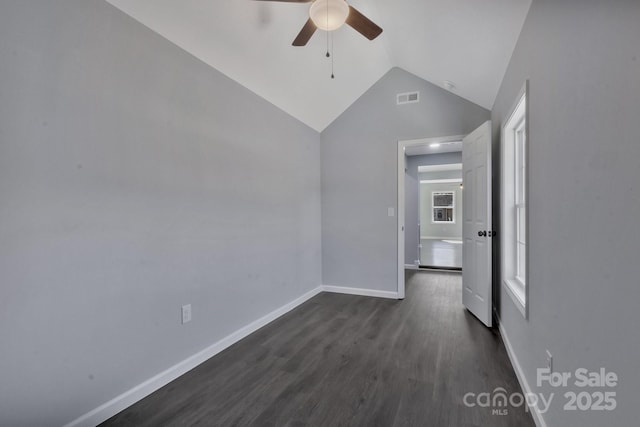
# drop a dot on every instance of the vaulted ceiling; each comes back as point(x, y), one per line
point(467, 42)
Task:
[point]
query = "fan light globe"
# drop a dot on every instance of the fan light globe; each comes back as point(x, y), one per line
point(329, 15)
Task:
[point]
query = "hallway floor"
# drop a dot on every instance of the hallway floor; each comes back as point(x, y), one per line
point(344, 360)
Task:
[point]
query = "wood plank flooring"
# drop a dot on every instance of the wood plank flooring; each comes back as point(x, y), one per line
point(343, 360)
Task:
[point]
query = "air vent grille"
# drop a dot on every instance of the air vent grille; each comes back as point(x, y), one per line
point(408, 98)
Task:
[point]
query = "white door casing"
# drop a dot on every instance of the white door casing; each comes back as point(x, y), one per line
point(477, 225)
point(401, 162)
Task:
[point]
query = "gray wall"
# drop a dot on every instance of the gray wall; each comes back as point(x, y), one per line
point(431, 230)
point(359, 174)
point(583, 62)
point(134, 179)
point(412, 197)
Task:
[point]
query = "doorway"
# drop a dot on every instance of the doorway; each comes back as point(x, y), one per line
point(477, 230)
point(430, 152)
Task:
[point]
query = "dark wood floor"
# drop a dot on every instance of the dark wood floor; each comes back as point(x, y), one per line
point(342, 360)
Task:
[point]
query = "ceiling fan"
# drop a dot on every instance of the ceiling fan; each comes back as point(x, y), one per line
point(329, 15)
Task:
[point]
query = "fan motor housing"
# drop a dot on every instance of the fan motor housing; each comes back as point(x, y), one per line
point(329, 15)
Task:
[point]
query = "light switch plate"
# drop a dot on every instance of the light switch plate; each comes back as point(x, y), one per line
point(186, 313)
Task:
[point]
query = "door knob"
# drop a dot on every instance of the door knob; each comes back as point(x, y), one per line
point(482, 233)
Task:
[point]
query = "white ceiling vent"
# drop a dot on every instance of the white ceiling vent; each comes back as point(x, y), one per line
point(408, 98)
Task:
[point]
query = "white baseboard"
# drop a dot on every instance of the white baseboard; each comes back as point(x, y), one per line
point(360, 291)
point(535, 412)
point(128, 398)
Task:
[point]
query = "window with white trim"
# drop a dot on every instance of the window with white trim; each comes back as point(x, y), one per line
point(443, 205)
point(514, 204)
point(520, 194)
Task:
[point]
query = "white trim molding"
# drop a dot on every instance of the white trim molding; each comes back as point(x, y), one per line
point(516, 291)
point(441, 181)
point(440, 238)
point(128, 398)
point(360, 291)
point(522, 379)
point(514, 140)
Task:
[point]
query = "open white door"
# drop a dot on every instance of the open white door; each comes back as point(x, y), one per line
point(476, 226)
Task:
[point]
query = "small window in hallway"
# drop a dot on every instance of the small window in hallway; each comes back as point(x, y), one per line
point(443, 206)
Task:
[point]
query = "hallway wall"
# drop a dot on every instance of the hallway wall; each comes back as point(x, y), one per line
point(431, 230)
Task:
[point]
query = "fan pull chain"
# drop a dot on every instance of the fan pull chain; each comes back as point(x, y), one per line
point(332, 56)
point(328, 55)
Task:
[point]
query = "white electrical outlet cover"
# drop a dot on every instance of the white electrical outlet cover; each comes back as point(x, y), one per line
point(186, 313)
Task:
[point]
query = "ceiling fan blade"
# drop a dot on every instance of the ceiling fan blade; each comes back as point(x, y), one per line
point(362, 24)
point(289, 1)
point(305, 34)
